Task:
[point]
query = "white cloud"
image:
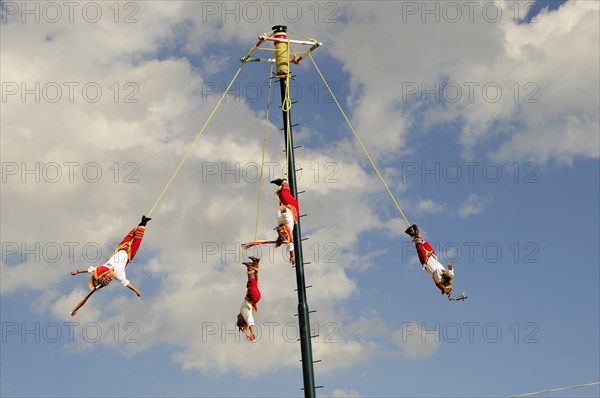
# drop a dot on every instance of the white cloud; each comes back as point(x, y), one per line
point(339, 393)
point(36, 275)
point(548, 118)
point(416, 342)
point(394, 226)
point(428, 206)
point(372, 325)
point(473, 205)
point(362, 262)
point(563, 120)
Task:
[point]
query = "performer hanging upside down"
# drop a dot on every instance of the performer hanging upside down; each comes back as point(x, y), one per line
point(245, 319)
point(441, 277)
point(115, 266)
point(287, 216)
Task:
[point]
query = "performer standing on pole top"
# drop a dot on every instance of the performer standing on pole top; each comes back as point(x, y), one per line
point(441, 277)
point(245, 319)
point(114, 268)
point(287, 216)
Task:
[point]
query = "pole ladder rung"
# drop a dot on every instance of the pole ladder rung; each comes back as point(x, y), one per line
point(303, 239)
point(311, 337)
point(310, 312)
point(306, 287)
point(296, 147)
point(318, 360)
point(300, 193)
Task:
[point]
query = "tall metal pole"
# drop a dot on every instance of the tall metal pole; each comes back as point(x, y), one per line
point(282, 57)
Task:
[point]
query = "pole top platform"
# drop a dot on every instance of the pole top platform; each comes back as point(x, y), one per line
point(279, 34)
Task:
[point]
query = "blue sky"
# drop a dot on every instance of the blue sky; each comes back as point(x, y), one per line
point(503, 180)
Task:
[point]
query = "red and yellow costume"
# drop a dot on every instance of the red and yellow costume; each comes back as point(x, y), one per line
point(286, 223)
point(287, 199)
point(429, 260)
point(425, 251)
point(115, 266)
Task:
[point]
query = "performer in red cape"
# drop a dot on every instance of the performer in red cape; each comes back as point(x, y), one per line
point(441, 277)
point(245, 319)
point(287, 216)
point(115, 266)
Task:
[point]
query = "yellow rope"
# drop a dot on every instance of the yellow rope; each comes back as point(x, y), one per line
point(286, 106)
point(287, 103)
point(194, 142)
point(302, 36)
point(359, 141)
point(288, 150)
point(262, 163)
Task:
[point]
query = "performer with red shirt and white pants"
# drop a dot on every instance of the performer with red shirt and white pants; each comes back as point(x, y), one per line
point(115, 266)
point(441, 277)
point(287, 216)
point(245, 318)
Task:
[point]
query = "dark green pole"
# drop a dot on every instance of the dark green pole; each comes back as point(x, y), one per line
point(303, 313)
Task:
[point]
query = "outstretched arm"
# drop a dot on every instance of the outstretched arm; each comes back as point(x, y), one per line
point(79, 271)
point(82, 302)
point(135, 290)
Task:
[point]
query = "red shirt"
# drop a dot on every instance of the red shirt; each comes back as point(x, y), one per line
point(424, 250)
